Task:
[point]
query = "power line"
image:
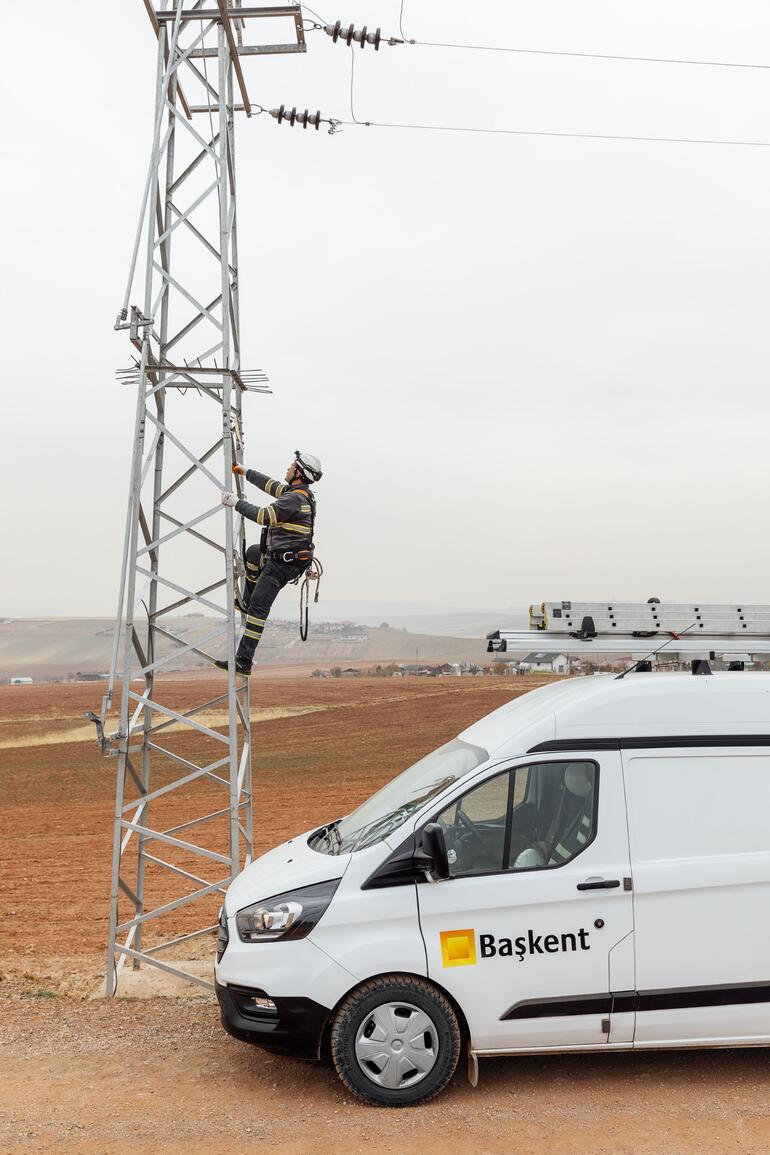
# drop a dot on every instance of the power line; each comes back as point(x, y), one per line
point(588, 55)
point(314, 13)
point(577, 55)
point(401, 20)
point(559, 52)
point(353, 116)
point(561, 135)
point(539, 132)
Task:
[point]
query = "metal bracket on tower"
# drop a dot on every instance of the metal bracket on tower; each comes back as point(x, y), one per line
point(133, 319)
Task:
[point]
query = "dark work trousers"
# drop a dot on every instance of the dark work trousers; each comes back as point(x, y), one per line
point(263, 584)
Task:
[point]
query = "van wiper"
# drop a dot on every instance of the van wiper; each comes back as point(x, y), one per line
point(331, 835)
point(334, 834)
point(386, 822)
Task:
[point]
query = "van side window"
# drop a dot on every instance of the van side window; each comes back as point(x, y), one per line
point(475, 827)
point(532, 817)
point(556, 817)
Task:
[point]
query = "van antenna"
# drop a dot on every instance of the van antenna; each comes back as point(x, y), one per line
point(652, 653)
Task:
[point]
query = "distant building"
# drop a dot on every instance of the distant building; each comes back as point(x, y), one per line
point(539, 662)
point(21, 681)
point(89, 676)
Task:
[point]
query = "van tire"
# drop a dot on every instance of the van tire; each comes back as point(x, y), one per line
point(353, 1019)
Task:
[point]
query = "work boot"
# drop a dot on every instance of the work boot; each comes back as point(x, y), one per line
point(221, 664)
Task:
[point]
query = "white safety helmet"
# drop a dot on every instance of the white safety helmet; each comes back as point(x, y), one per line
point(309, 466)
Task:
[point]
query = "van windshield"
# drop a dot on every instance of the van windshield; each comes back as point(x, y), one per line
point(386, 810)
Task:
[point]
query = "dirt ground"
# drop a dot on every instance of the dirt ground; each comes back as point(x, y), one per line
point(159, 1075)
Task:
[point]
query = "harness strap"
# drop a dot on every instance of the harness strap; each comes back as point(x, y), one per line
point(314, 572)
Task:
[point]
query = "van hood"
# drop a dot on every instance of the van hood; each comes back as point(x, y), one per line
point(288, 866)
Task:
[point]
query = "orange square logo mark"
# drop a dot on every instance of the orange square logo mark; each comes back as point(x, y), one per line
point(458, 948)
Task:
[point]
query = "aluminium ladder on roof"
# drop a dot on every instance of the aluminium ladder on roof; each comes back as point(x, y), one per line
point(638, 629)
point(653, 617)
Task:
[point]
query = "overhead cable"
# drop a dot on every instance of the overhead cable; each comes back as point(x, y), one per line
point(401, 20)
point(589, 55)
point(559, 52)
point(577, 55)
point(317, 15)
point(563, 135)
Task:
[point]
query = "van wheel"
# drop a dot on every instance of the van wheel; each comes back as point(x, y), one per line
point(395, 1041)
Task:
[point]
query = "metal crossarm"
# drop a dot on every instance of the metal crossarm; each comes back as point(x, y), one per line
point(181, 548)
point(640, 630)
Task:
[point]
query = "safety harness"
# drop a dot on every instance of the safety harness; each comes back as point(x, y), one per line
point(313, 573)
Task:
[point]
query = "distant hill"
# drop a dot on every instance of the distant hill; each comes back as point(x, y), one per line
point(449, 622)
point(458, 624)
point(43, 648)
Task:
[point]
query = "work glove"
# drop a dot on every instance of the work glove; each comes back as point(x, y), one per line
point(229, 498)
point(238, 469)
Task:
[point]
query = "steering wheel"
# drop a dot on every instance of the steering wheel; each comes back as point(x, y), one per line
point(468, 827)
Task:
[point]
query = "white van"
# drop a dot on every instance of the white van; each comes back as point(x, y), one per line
point(585, 869)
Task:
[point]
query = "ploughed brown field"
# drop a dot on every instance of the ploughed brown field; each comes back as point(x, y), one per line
point(157, 1075)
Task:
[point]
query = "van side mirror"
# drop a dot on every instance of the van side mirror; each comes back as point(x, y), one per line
point(434, 852)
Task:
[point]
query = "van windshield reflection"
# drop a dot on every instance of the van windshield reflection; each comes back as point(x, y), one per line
point(390, 807)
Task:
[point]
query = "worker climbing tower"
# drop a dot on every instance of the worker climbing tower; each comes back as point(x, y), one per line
point(183, 810)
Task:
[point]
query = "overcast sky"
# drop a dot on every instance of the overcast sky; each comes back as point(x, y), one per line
point(533, 368)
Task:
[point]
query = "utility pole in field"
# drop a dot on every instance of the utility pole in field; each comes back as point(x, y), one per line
point(183, 807)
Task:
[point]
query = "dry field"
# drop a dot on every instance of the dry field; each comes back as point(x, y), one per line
point(159, 1075)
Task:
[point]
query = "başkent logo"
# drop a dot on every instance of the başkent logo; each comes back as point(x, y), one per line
point(458, 947)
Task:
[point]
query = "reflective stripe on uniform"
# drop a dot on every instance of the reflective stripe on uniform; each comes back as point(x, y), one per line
point(249, 634)
point(293, 527)
point(255, 621)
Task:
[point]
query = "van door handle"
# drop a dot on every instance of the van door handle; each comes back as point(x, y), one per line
point(599, 884)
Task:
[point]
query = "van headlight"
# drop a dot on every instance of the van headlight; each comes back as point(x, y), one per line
point(285, 916)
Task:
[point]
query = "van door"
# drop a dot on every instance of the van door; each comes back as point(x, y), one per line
point(700, 852)
point(533, 933)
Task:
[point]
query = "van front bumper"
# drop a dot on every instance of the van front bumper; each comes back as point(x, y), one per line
point(295, 1027)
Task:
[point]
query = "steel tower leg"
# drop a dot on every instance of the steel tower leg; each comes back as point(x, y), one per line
point(183, 803)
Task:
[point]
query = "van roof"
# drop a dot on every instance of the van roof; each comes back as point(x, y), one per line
point(649, 705)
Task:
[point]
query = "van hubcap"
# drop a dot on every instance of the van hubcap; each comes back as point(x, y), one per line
point(397, 1045)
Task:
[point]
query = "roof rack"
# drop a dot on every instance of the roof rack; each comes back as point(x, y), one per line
point(690, 631)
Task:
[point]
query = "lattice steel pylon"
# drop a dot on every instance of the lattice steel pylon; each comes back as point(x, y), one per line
point(183, 810)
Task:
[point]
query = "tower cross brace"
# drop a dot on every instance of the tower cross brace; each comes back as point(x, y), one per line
point(182, 824)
